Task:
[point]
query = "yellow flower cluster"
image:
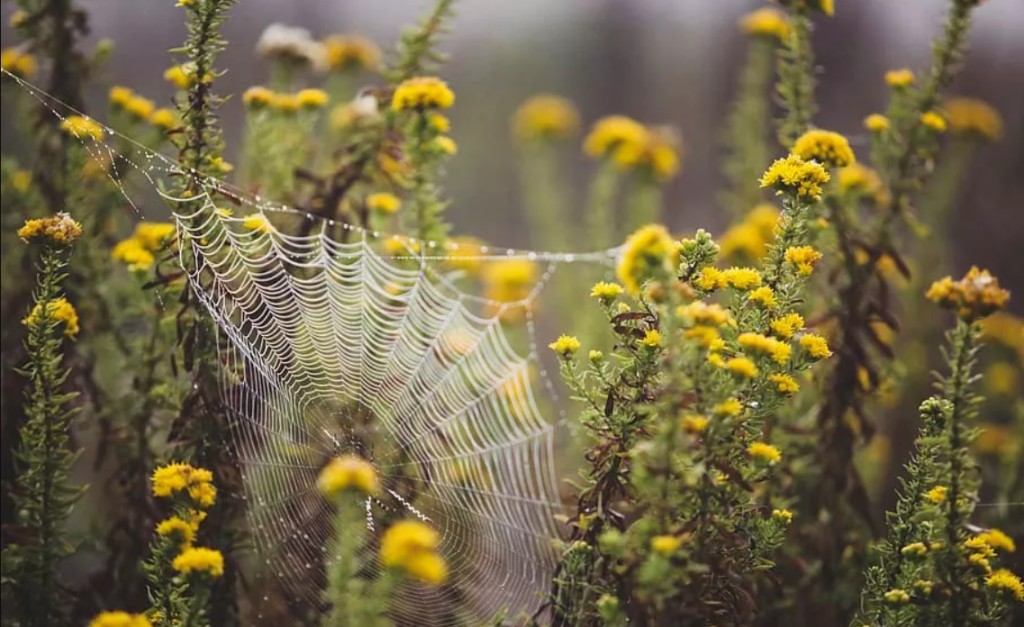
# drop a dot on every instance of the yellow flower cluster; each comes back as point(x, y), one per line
point(900, 79)
point(138, 251)
point(792, 175)
point(877, 123)
point(197, 482)
point(766, 22)
point(411, 546)
point(665, 544)
point(787, 326)
point(651, 339)
point(750, 238)
point(858, 179)
point(692, 423)
point(764, 295)
point(742, 367)
point(934, 121)
point(647, 254)
point(446, 145)
point(422, 92)
point(59, 310)
point(345, 52)
point(937, 494)
point(997, 540)
point(743, 279)
point(803, 257)
point(182, 530)
point(764, 452)
point(631, 145)
point(119, 619)
point(59, 229)
point(464, 254)
point(383, 202)
point(565, 345)
point(605, 291)
point(509, 280)
point(973, 117)
point(347, 472)
point(184, 76)
point(132, 103)
point(815, 346)
point(17, 62)
point(826, 147)
point(784, 383)
point(701, 312)
point(545, 117)
point(729, 407)
point(896, 596)
point(1005, 581)
point(975, 296)
point(82, 127)
point(783, 515)
point(778, 350)
point(199, 560)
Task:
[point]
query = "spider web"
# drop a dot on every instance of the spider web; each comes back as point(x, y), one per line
point(334, 348)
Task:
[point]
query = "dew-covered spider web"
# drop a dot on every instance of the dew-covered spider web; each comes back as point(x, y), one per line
point(331, 346)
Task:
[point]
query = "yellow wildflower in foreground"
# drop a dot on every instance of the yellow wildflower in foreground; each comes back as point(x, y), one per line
point(1006, 581)
point(177, 477)
point(997, 540)
point(665, 545)
point(133, 253)
point(59, 310)
point(82, 127)
point(412, 546)
point(646, 255)
point(741, 366)
point(934, 121)
point(803, 257)
point(422, 92)
point(21, 64)
point(825, 147)
point(152, 235)
point(383, 202)
point(312, 98)
point(60, 229)
point(565, 345)
point(605, 291)
point(787, 326)
point(763, 295)
point(704, 313)
point(937, 494)
point(741, 278)
point(120, 96)
point(347, 471)
point(183, 530)
point(651, 339)
point(784, 515)
point(796, 176)
point(815, 345)
point(346, 52)
point(899, 78)
point(973, 117)
point(257, 222)
point(766, 22)
point(785, 383)
point(199, 560)
point(545, 117)
point(779, 351)
point(877, 123)
point(729, 407)
point(976, 295)
point(765, 452)
point(119, 619)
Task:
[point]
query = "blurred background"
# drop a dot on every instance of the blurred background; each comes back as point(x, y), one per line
point(660, 61)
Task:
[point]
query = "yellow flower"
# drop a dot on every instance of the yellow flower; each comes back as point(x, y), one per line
point(422, 92)
point(383, 202)
point(438, 122)
point(605, 291)
point(312, 98)
point(120, 96)
point(57, 310)
point(611, 132)
point(199, 560)
point(856, 178)
point(973, 117)
point(764, 295)
point(257, 96)
point(779, 351)
point(998, 540)
point(815, 345)
point(139, 107)
point(565, 345)
point(647, 254)
point(709, 279)
point(509, 280)
point(702, 313)
point(412, 546)
point(706, 336)
point(728, 407)
point(257, 222)
point(751, 236)
point(692, 423)
point(203, 493)
point(764, 452)
point(183, 530)
point(915, 548)
point(934, 121)
point(803, 257)
point(464, 254)
point(446, 145)
point(181, 76)
point(119, 619)
point(665, 545)
point(657, 152)
point(876, 123)
point(766, 22)
point(82, 127)
point(21, 180)
point(1004, 580)
point(899, 78)
point(595, 356)
point(741, 366)
point(937, 494)
point(152, 235)
point(741, 278)
point(651, 339)
point(177, 477)
point(787, 326)
point(784, 383)
point(18, 63)
point(545, 117)
point(60, 228)
point(896, 596)
point(164, 118)
point(347, 471)
point(134, 254)
point(976, 295)
point(783, 515)
point(795, 176)
point(827, 148)
point(346, 52)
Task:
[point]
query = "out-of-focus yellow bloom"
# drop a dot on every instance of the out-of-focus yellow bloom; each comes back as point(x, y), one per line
point(741, 366)
point(900, 79)
point(139, 107)
point(973, 117)
point(446, 145)
point(152, 235)
point(937, 494)
point(766, 22)
point(285, 103)
point(464, 254)
point(312, 98)
point(783, 515)
point(729, 407)
point(793, 175)
point(438, 122)
point(134, 254)
point(59, 229)
point(647, 254)
point(181, 76)
point(545, 117)
point(779, 351)
point(703, 313)
point(17, 62)
point(59, 310)
point(996, 439)
point(877, 123)
point(349, 52)
point(858, 179)
point(119, 619)
point(199, 560)
point(631, 145)
point(257, 96)
point(383, 202)
point(1000, 379)
point(257, 222)
point(750, 238)
point(164, 118)
point(976, 295)
point(666, 545)
point(692, 423)
point(934, 121)
point(784, 383)
point(826, 147)
point(787, 326)
point(422, 92)
point(412, 546)
point(896, 596)
point(21, 180)
point(764, 452)
point(82, 127)
point(119, 96)
point(345, 472)
point(611, 132)
point(815, 345)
